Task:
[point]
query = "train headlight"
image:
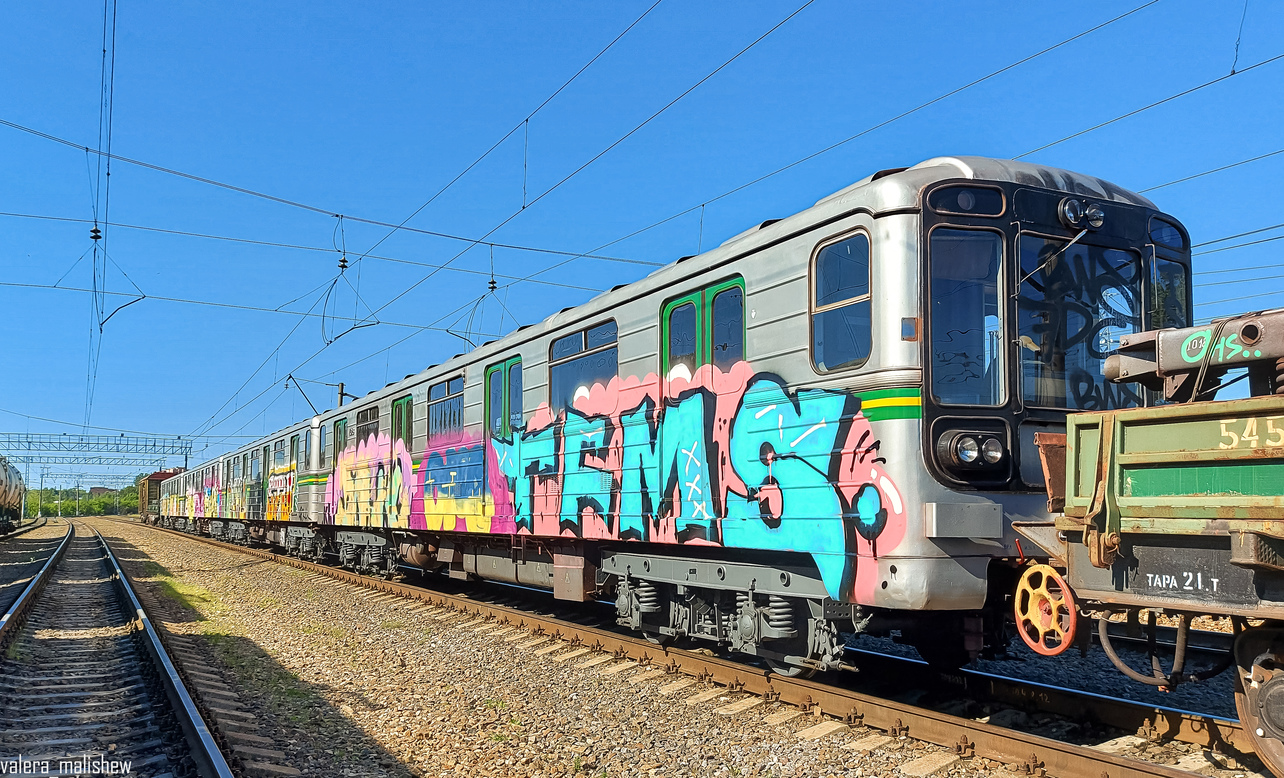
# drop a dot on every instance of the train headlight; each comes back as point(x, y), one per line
point(1094, 216)
point(972, 453)
point(1071, 212)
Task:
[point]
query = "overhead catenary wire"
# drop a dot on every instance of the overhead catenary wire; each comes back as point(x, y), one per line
point(839, 144)
point(606, 150)
point(523, 124)
point(212, 304)
point(1155, 104)
point(285, 201)
point(323, 249)
point(1184, 179)
point(102, 192)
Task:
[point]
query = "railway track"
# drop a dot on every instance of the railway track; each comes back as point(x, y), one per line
point(840, 704)
point(22, 556)
point(87, 683)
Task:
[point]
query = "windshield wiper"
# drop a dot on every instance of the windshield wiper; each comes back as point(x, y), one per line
point(1048, 262)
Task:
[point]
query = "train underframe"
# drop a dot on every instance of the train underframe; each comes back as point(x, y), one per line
point(768, 605)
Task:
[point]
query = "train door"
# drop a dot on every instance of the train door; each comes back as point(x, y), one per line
point(702, 340)
point(504, 430)
point(401, 469)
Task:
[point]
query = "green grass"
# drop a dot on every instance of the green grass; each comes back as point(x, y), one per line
point(390, 625)
point(188, 596)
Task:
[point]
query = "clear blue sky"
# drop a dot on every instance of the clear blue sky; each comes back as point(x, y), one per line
point(369, 113)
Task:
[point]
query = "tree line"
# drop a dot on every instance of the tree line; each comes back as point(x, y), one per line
point(50, 501)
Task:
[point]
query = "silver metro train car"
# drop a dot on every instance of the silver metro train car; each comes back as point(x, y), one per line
point(823, 426)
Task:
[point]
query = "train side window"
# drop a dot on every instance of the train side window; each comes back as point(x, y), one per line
point(278, 454)
point(1168, 297)
point(403, 421)
point(683, 340)
point(515, 395)
point(704, 327)
point(340, 437)
point(446, 408)
point(577, 362)
point(367, 423)
point(841, 309)
point(321, 445)
point(294, 450)
point(256, 468)
point(504, 397)
point(495, 400)
point(728, 327)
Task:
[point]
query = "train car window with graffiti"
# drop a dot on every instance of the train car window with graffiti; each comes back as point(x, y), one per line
point(967, 313)
point(703, 327)
point(367, 423)
point(841, 309)
point(1076, 301)
point(403, 427)
point(340, 437)
point(577, 362)
point(728, 327)
point(683, 339)
point(446, 408)
point(504, 397)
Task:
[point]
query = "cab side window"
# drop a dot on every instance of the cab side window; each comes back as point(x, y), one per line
point(841, 314)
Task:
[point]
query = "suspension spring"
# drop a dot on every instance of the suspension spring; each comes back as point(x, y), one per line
point(376, 555)
point(648, 597)
point(1279, 376)
point(780, 614)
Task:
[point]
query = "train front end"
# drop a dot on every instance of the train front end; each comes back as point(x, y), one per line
point(1029, 278)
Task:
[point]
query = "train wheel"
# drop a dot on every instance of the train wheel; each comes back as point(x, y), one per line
point(780, 657)
point(1259, 692)
point(1046, 616)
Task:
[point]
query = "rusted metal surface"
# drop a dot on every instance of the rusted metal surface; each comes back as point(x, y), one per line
point(1038, 755)
point(1052, 455)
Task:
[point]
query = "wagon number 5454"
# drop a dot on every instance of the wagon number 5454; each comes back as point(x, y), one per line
point(1249, 438)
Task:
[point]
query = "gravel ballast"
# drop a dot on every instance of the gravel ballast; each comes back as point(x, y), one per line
point(348, 681)
point(352, 683)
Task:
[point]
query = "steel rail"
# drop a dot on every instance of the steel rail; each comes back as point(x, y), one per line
point(1034, 754)
point(206, 754)
point(12, 620)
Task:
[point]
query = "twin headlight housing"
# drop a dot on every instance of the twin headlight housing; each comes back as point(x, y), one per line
point(969, 450)
point(1079, 214)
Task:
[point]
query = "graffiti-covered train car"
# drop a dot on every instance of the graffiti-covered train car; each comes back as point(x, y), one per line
point(824, 425)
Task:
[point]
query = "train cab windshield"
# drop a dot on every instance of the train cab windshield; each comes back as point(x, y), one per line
point(1028, 291)
point(1074, 304)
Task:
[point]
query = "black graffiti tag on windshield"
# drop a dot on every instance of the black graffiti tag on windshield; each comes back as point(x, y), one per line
point(1090, 392)
point(1091, 293)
